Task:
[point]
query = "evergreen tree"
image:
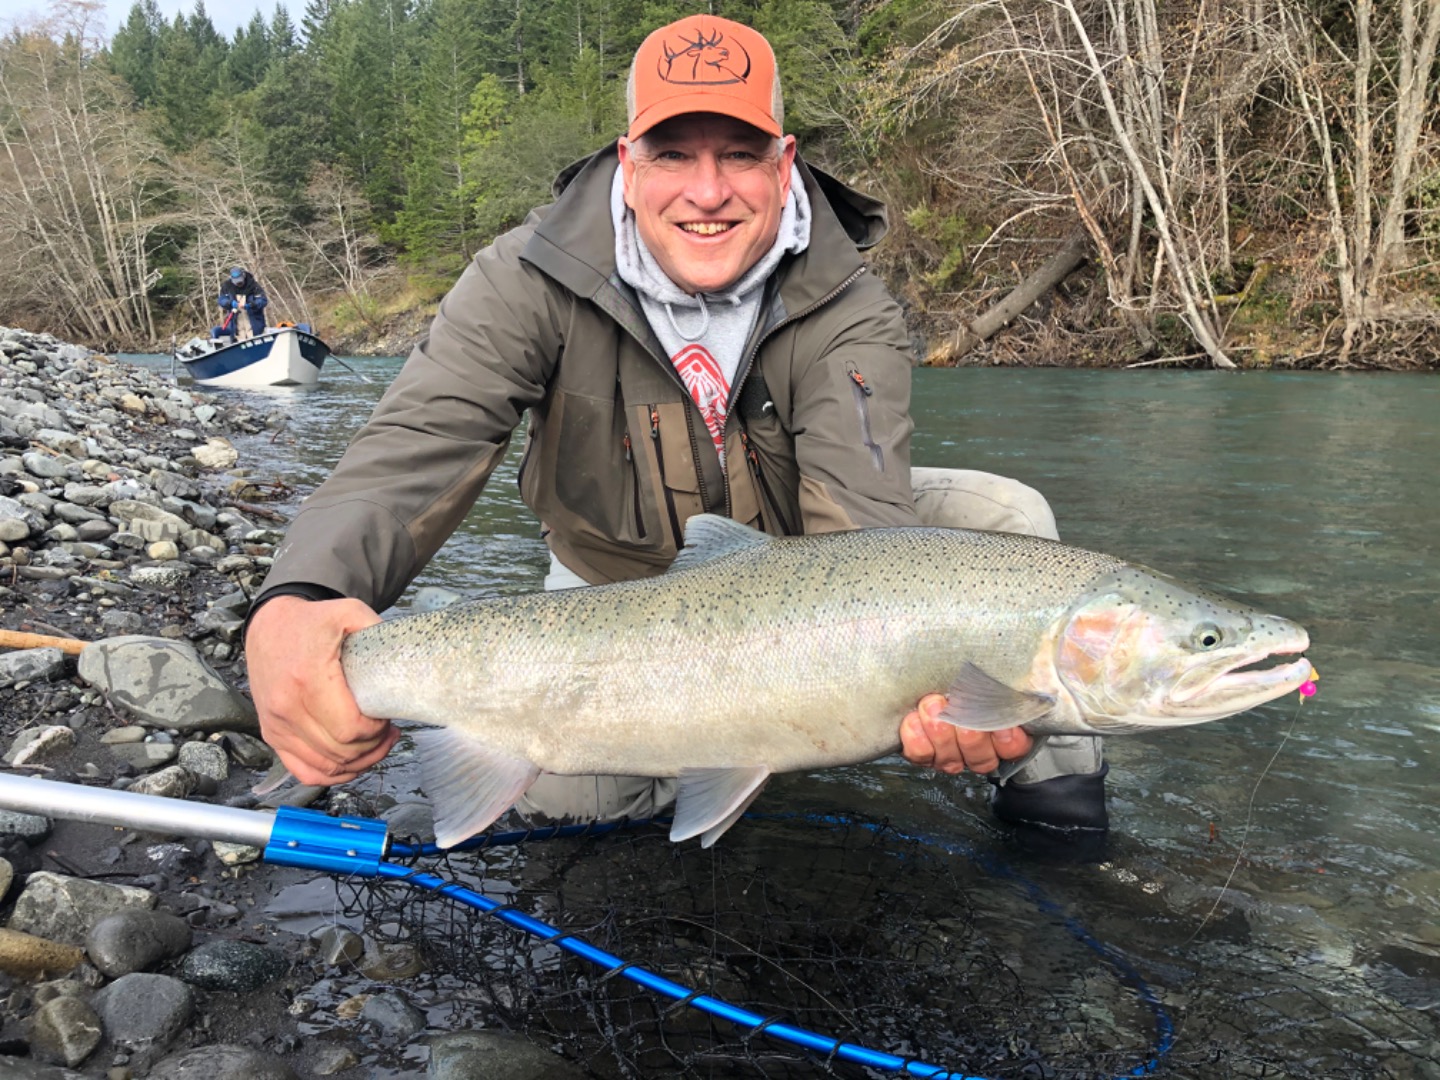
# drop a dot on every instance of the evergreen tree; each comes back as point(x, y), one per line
point(249, 56)
point(436, 218)
point(364, 58)
point(133, 51)
point(283, 39)
point(184, 86)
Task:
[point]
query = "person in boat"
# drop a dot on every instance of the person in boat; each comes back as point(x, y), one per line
point(690, 328)
point(240, 290)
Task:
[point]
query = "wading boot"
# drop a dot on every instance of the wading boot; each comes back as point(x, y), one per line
point(1062, 787)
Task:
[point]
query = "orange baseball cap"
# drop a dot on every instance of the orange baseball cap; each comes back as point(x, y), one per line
point(707, 65)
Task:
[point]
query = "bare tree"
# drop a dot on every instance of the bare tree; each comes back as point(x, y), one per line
point(336, 241)
point(1129, 103)
point(1368, 106)
point(80, 185)
point(236, 219)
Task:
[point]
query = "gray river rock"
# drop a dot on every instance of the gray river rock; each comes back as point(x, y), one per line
point(144, 1011)
point(221, 1062)
point(30, 665)
point(165, 683)
point(136, 940)
point(173, 782)
point(236, 966)
point(393, 1016)
point(32, 828)
point(36, 746)
point(13, 1068)
point(489, 1055)
point(65, 1031)
point(64, 909)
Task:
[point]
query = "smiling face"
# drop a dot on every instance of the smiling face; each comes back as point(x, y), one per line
point(707, 192)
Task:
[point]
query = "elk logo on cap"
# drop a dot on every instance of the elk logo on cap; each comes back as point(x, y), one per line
point(705, 60)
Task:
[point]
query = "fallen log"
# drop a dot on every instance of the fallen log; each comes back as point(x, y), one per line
point(1055, 269)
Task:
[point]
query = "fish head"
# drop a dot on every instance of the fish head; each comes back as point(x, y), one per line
point(1141, 650)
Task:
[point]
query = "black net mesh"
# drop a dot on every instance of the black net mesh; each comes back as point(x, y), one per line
point(856, 931)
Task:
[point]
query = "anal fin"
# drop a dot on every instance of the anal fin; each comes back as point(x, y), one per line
point(711, 800)
point(468, 783)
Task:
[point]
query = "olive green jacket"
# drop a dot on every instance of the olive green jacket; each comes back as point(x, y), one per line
point(617, 456)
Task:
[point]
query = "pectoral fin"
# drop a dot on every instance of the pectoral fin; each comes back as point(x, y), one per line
point(711, 800)
point(980, 703)
point(277, 776)
point(469, 784)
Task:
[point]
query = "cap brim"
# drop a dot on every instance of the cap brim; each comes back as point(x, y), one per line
point(704, 102)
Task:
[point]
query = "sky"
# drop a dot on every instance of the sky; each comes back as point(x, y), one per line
point(227, 15)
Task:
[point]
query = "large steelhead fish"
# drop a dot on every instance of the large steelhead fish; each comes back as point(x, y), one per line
point(754, 655)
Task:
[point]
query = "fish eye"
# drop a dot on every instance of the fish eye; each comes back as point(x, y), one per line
point(1207, 636)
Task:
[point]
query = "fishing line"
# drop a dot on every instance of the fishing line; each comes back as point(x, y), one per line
point(1250, 806)
point(1126, 973)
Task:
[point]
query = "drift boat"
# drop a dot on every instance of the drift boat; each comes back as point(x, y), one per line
point(281, 356)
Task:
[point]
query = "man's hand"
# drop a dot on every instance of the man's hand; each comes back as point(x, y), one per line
point(307, 714)
point(927, 740)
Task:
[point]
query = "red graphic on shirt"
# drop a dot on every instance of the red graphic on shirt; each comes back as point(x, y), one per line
point(701, 374)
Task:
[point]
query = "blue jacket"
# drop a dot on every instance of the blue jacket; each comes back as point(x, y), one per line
point(248, 287)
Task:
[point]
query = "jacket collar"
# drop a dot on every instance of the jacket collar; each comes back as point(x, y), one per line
point(575, 240)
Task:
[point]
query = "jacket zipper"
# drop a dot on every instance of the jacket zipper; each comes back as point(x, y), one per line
point(862, 406)
point(635, 487)
point(768, 334)
point(669, 496)
point(754, 460)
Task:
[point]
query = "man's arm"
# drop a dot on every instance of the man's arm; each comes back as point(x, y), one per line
point(417, 466)
point(400, 490)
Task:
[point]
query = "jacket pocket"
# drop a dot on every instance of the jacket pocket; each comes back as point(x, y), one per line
point(862, 393)
point(679, 482)
point(770, 506)
point(638, 510)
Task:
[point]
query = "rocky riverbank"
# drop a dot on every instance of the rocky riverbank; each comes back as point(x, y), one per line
point(128, 521)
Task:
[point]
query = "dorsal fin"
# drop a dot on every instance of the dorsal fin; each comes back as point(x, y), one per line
point(709, 536)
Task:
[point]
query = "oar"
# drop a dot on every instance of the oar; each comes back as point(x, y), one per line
point(14, 639)
point(350, 369)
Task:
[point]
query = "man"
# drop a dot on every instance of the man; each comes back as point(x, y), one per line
point(239, 290)
point(691, 329)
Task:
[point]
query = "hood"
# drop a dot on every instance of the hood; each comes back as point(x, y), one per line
point(574, 238)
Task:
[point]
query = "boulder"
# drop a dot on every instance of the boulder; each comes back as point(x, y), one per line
point(165, 683)
point(143, 1010)
point(63, 909)
point(136, 940)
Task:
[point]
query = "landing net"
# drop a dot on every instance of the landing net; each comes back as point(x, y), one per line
point(842, 926)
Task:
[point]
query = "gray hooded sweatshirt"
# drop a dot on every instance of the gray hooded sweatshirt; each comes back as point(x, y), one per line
point(705, 334)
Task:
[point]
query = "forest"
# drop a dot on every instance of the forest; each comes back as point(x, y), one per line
point(1221, 183)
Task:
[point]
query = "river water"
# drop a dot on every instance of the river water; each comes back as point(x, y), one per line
point(1274, 876)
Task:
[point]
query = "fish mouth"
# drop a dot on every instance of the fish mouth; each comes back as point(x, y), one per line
point(1246, 680)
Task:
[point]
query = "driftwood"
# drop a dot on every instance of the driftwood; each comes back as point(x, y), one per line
point(257, 511)
point(1055, 270)
point(15, 639)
